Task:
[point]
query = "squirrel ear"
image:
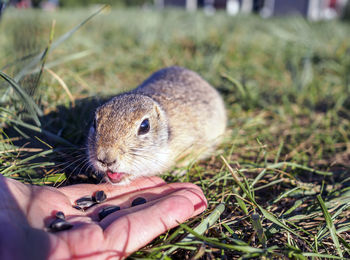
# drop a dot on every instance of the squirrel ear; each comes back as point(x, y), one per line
point(157, 109)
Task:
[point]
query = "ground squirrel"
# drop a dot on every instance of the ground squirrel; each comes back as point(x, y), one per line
point(173, 116)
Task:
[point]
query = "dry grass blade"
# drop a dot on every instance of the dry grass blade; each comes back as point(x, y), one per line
point(63, 84)
point(236, 178)
point(30, 150)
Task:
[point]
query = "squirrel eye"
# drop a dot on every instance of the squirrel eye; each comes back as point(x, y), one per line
point(144, 127)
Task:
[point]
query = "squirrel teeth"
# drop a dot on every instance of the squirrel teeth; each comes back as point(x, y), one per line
point(115, 176)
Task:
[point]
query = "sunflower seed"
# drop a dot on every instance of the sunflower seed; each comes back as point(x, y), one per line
point(60, 215)
point(77, 207)
point(99, 196)
point(107, 210)
point(60, 225)
point(138, 201)
point(85, 202)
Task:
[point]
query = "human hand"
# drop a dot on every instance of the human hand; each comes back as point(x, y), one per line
point(26, 211)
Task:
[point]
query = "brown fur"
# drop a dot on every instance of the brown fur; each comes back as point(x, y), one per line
point(186, 115)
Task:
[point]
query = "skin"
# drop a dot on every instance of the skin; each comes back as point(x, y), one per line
point(26, 211)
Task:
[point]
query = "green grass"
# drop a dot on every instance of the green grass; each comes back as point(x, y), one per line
point(282, 172)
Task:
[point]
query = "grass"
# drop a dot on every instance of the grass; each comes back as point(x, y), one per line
point(278, 187)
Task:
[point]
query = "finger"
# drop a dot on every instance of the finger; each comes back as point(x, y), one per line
point(75, 192)
point(193, 192)
point(135, 230)
point(196, 197)
point(85, 240)
point(12, 191)
point(35, 204)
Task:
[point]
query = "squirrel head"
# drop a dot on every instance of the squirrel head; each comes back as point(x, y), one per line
point(129, 138)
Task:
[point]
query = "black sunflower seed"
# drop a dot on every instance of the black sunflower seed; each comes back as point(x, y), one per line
point(100, 196)
point(107, 210)
point(77, 207)
point(85, 202)
point(60, 215)
point(138, 201)
point(60, 225)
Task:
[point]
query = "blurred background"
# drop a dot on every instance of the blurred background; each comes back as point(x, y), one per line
point(311, 9)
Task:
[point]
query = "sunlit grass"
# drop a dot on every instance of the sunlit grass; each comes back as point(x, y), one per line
point(282, 172)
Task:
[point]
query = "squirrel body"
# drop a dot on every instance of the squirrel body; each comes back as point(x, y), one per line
point(173, 116)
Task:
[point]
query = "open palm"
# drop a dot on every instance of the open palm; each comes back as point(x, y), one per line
point(26, 211)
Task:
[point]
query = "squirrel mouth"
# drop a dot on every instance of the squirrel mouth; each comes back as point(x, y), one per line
point(115, 176)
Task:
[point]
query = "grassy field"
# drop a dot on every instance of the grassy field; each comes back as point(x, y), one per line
point(281, 178)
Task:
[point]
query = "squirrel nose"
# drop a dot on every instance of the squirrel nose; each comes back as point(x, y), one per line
point(106, 162)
